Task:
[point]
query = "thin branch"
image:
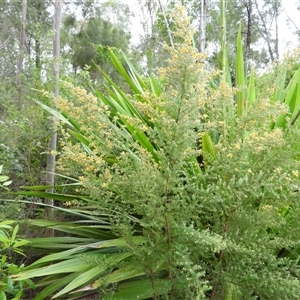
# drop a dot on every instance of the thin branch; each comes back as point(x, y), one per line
point(265, 33)
point(298, 30)
point(166, 24)
point(6, 41)
point(202, 26)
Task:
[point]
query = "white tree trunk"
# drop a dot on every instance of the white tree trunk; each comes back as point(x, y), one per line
point(202, 26)
point(53, 135)
point(223, 37)
point(22, 44)
point(276, 28)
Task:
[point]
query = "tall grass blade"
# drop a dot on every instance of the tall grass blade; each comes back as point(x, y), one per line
point(208, 145)
point(240, 76)
point(251, 95)
point(90, 274)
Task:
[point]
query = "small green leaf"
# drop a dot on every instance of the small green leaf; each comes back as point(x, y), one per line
point(14, 234)
point(208, 146)
point(251, 97)
point(18, 295)
point(20, 243)
point(2, 295)
point(3, 178)
point(240, 77)
point(5, 224)
point(5, 240)
point(7, 183)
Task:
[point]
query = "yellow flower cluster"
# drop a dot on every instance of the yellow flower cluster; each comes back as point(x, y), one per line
point(185, 62)
point(265, 140)
point(71, 203)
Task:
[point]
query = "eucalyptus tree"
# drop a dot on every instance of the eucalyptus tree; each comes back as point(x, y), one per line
point(36, 37)
point(22, 43)
point(268, 14)
point(51, 156)
point(150, 40)
point(259, 21)
point(23, 47)
point(9, 37)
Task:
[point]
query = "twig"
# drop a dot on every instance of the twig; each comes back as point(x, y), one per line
point(220, 258)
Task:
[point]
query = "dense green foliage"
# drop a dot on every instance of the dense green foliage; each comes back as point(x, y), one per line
point(10, 246)
point(179, 192)
point(174, 186)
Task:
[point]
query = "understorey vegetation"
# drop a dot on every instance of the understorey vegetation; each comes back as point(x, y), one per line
point(179, 185)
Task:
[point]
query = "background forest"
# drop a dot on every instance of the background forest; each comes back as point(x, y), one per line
point(163, 165)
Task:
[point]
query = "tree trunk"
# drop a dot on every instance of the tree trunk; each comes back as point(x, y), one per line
point(22, 44)
point(223, 38)
point(53, 135)
point(248, 5)
point(38, 54)
point(276, 28)
point(37, 38)
point(202, 26)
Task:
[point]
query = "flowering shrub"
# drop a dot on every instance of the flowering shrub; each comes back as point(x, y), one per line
point(203, 201)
